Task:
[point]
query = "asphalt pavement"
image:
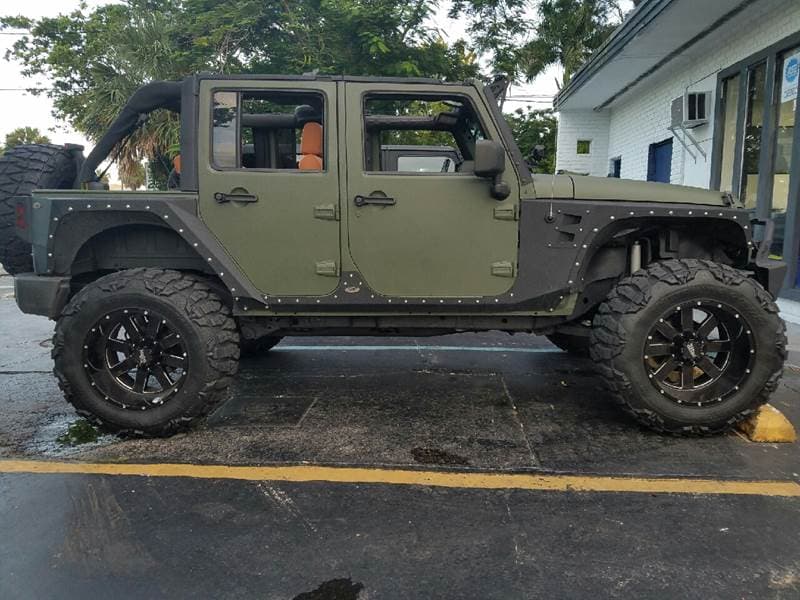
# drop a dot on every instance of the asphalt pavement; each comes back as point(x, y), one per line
point(406, 436)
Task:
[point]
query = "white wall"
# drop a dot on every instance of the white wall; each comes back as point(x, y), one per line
point(642, 117)
point(583, 125)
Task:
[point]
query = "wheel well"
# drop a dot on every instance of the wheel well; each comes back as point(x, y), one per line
point(721, 241)
point(138, 245)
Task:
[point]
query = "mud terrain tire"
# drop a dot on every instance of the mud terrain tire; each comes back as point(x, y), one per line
point(191, 311)
point(22, 170)
point(627, 334)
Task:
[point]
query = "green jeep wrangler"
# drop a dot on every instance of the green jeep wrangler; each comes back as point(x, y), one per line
point(320, 205)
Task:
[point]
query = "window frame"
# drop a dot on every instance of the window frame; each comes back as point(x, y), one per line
point(460, 96)
point(579, 141)
point(279, 91)
point(766, 163)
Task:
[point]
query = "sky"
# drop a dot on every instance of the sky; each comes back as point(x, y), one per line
point(23, 109)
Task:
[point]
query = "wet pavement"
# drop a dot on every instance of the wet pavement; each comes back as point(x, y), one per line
point(472, 403)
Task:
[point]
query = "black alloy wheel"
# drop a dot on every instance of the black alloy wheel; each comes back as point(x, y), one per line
point(699, 352)
point(135, 358)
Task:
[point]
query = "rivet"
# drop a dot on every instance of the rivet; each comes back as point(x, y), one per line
point(736, 316)
point(51, 236)
point(317, 301)
point(244, 307)
point(166, 216)
point(108, 206)
point(595, 230)
point(405, 301)
point(705, 213)
point(570, 282)
point(690, 212)
point(180, 230)
point(511, 294)
point(69, 208)
point(195, 244)
point(745, 227)
point(279, 300)
point(585, 246)
point(335, 296)
point(652, 212)
point(477, 301)
point(297, 300)
point(662, 391)
point(372, 296)
point(49, 254)
point(233, 289)
point(550, 309)
point(222, 274)
point(423, 301)
point(577, 264)
point(548, 245)
point(55, 218)
point(631, 212)
point(734, 217)
point(496, 300)
point(266, 297)
point(127, 206)
point(390, 300)
point(721, 214)
point(88, 206)
point(209, 259)
point(459, 301)
point(613, 217)
point(441, 301)
point(752, 352)
point(672, 212)
point(147, 207)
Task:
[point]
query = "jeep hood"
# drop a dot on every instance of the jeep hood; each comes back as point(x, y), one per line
point(609, 188)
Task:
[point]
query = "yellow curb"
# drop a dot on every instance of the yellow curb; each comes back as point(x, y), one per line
point(768, 425)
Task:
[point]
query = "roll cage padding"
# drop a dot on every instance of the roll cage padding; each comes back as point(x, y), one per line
point(148, 98)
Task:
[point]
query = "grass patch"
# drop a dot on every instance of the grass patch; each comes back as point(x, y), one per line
point(79, 432)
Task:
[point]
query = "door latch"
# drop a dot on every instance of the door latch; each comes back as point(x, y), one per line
point(223, 198)
point(379, 200)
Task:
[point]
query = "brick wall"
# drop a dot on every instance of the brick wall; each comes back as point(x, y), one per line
point(642, 117)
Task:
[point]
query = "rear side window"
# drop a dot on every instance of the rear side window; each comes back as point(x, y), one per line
point(420, 133)
point(268, 130)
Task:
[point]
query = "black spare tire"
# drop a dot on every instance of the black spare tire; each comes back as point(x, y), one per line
point(24, 169)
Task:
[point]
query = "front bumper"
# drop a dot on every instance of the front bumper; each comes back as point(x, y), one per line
point(39, 295)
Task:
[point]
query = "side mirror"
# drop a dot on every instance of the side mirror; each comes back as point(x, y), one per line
point(490, 163)
point(490, 159)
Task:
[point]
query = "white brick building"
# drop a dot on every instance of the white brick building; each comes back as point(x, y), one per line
point(616, 116)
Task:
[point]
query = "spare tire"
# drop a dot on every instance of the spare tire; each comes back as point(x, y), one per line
point(22, 170)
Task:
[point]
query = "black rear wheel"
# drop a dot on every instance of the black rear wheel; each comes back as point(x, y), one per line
point(689, 346)
point(146, 351)
point(22, 170)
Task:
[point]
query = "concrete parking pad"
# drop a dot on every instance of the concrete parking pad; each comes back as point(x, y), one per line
point(471, 406)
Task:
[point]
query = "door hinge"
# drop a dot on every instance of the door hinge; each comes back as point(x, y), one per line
point(328, 212)
point(503, 268)
point(506, 213)
point(327, 268)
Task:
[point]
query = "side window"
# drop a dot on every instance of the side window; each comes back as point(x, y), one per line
point(268, 130)
point(420, 134)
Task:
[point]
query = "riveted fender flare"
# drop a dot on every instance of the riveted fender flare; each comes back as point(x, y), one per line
point(75, 218)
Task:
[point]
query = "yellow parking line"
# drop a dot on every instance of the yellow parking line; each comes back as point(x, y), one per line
point(467, 480)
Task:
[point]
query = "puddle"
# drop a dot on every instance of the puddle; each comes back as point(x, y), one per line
point(65, 435)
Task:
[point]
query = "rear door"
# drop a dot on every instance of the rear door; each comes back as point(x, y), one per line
point(425, 233)
point(278, 222)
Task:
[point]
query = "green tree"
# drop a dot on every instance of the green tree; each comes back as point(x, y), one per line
point(524, 37)
point(533, 128)
point(24, 135)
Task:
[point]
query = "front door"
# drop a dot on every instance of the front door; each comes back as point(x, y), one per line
point(659, 167)
point(269, 181)
point(420, 232)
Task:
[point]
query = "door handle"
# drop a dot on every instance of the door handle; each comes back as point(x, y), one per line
point(223, 198)
point(379, 200)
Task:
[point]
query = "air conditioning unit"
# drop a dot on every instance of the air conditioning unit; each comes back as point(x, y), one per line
point(691, 110)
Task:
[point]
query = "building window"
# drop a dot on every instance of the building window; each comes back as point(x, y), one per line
point(756, 153)
point(659, 163)
point(584, 147)
point(730, 104)
point(615, 167)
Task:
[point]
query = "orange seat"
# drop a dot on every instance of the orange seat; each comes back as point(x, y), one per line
point(311, 148)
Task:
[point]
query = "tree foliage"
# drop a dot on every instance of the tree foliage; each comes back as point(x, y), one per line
point(533, 128)
point(524, 37)
point(95, 58)
point(24, 135)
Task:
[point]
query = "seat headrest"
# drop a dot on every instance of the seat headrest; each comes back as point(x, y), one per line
point(311, 139)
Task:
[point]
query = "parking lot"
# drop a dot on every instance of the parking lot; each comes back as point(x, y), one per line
point(470, 466)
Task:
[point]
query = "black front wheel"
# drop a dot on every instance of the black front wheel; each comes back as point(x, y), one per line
point(689, 346)
point(146, 351)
